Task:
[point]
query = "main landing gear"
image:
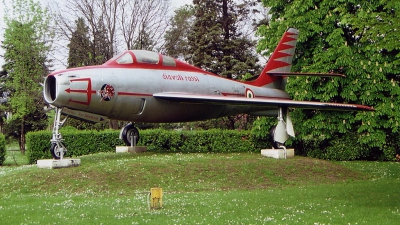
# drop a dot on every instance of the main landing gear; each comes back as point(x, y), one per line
point(57, 148)
point(130, 135)
point(282, 131)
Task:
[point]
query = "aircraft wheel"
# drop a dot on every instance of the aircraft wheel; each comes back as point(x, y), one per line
point(55, 151)
point(129, 133)
point(271, 138)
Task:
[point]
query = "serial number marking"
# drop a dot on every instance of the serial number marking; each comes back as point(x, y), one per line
point(180, 77)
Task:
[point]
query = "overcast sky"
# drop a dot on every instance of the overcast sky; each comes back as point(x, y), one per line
point(174, 3)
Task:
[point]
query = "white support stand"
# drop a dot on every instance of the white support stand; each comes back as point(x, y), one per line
point(281, 153)
point(57, 163)
point(135, 149)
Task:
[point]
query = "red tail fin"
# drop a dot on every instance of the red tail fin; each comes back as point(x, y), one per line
point(280, 60)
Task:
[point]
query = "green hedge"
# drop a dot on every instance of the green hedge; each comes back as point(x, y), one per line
point(197, 141)
point(89, 142)
point(77, 142)
point(345, 148)
point(2, 149)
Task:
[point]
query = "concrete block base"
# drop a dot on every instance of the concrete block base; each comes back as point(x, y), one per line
point(135, 149)
point(55, 164)
point(278, 153)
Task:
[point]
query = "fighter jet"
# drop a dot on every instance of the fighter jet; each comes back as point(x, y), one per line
point(144, 86)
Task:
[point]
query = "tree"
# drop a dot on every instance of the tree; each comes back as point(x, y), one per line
point(221, 48)
point(144, 40)
point(143, 23)
point(86, 52)
point(80, 53)
point(3, 99)
point(101, 46)
point(26, 44)
point(217, 42)
point(176, 37)
point(356, 38)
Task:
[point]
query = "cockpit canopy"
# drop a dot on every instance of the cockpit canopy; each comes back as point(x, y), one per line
point(150, 60)
point(142, 57)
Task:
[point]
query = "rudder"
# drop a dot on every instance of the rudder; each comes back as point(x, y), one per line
point(280, 61)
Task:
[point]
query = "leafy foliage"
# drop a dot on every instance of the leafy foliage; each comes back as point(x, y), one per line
point(197, 141)
point(37, 120)
point(26, 46)
point(260, 132)
point(78, 143)
point(355, 38)
point(158, 140)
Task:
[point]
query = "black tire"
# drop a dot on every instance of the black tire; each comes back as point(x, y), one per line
point(55, 152)
point(271, 138)
point(128, 132)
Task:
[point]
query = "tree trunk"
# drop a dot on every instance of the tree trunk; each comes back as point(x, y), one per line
point(231, 122)
point(113, 124)
point(225, 20)
point(227, 37)
point(22, 137)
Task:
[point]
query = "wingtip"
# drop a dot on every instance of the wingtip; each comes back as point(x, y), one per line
point(371, 109)
point(365, 108)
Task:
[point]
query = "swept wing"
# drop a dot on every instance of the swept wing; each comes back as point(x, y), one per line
point(260, 102)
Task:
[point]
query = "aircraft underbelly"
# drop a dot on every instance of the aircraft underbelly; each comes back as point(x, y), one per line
point(171, 112)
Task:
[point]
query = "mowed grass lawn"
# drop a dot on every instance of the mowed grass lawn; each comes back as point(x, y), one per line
point(244, 188)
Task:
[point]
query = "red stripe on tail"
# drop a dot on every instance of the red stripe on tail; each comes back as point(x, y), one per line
point(280, 60)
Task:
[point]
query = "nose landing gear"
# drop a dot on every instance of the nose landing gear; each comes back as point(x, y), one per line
point(57, 148)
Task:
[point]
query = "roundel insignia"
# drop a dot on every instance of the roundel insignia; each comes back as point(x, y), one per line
point(107, 92)
point(249, 93)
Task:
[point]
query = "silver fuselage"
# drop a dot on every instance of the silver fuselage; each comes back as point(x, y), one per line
point(133, 88)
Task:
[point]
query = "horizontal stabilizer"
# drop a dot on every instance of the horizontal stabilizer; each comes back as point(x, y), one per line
point(282, 74)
